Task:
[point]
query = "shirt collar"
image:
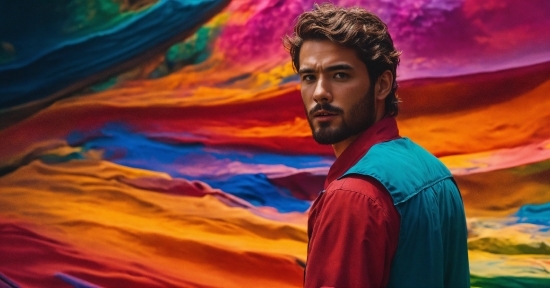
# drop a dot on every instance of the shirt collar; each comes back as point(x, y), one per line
point(381, 131)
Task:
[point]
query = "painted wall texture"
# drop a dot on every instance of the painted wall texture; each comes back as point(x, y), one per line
point(164, 143)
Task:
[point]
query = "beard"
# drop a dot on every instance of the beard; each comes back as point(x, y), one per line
point(360, 117)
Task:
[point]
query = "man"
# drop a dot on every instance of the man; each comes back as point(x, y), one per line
point(391, 213)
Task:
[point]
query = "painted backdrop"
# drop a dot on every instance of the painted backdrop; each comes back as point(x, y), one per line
point(155, 143)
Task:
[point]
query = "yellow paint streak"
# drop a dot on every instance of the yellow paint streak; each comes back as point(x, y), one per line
point(88, 204)
point(497, 126)
point(297, 128)
point(274, 76)
point(466, 161)
point(200, 96)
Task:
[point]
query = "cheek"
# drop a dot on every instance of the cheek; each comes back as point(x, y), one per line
point(359, 88)
point(305, 95)
point(359, 93)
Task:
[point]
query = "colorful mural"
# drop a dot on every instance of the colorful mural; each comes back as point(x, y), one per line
point(163, 143)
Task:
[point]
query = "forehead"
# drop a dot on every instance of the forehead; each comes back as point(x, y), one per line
point(320, 53)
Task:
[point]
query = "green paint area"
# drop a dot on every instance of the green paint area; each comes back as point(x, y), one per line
point(54, 158)
point(102, 86)
point(193, 50)
point(508, 282)
point(85, 16)
point(542, 167)
point(506, 246)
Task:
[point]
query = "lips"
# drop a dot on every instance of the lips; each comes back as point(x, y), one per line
point(324, 116)
point(324, 113)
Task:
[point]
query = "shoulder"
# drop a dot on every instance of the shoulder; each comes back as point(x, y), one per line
point(354, 190)
point(359, 184)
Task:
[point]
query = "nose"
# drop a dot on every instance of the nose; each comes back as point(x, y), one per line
point(322, 91)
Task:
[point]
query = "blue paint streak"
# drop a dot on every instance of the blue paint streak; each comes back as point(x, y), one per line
point(75, 282)
point(534, 214)
point(124, 147)
point(46, 60)
point(6, 282)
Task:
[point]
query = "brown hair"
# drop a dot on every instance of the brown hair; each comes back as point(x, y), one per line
point(355, 28)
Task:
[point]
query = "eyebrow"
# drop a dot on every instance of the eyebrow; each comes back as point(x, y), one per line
point(336, 67)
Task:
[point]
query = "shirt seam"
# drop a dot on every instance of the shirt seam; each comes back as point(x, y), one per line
point(371, 199)
point(423, 188)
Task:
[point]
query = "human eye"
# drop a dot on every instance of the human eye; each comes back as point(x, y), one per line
point(341, 75)
point(308, 77)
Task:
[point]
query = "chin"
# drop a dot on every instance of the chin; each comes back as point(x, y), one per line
point(328, 136)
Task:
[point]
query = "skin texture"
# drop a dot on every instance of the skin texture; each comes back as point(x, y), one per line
point(339, 98)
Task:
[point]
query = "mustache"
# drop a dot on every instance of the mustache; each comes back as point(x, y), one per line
point(326, 107)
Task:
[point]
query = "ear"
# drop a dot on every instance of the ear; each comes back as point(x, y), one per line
point(383, 85)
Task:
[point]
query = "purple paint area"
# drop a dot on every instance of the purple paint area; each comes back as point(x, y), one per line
point(437, 38)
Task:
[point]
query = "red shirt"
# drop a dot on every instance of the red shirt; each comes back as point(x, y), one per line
point(353, 226)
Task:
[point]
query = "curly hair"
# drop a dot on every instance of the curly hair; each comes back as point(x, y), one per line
point(355, 28)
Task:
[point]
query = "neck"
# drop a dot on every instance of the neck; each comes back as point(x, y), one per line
point(342, 145)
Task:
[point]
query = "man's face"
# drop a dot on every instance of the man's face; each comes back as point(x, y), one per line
point(336, 91)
